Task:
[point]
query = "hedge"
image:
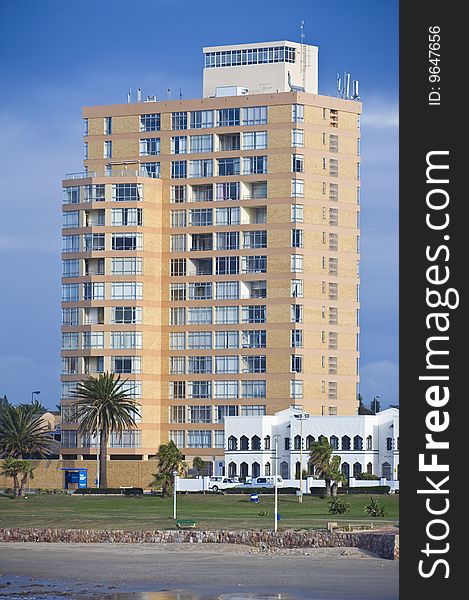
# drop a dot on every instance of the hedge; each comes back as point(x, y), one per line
point(375, 489)
point(103, 491)
point(261, 490)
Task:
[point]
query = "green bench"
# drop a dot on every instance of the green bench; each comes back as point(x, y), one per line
point(185, 524)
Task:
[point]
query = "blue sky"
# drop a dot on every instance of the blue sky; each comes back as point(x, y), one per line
point(61, 55)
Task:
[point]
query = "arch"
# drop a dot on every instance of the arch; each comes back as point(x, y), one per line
point(255, 442)
point(232, 443)
point(284, 470)
point(232, 469)
point(309, 441)
point(243, 470)
point(334, 442)
point(267, 469)
point(369, 443)
point(311, 468)
point(267, 442)
point(345, 468)
point(386, 471)
point(345, 442)
point(357, 469)
point(358, 443)
point(322, 438)
point(369, 468)
point(297, 442)
point(256, 469)
point(243, 443)
point(297, 469)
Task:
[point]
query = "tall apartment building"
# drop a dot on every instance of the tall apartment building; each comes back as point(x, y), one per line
point(211, 253)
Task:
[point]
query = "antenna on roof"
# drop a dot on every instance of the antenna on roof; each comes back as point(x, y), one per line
point(168, 93)
point(129, 94)
point(180, 94)
point(343, 87)
point(139, 95)
point(303, 52)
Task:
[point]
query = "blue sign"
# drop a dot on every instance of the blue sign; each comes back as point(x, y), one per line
point(82, 478)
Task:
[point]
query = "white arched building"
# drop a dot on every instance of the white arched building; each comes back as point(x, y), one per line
point(365, 443)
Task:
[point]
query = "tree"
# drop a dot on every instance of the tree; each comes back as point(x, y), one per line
point(163, 481)
point(375, 405)
point(327, 467)
point(19, 470)
point(104, 406)
point(199, 465)
point(170, 459)
point(23, 432)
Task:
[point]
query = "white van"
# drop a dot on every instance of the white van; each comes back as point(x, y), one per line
point(219, 483)
point(268, 482)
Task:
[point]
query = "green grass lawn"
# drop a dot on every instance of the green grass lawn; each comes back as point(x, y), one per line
point(210, 512)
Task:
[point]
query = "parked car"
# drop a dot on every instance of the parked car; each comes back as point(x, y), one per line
point(260, 482)
point(219, 483)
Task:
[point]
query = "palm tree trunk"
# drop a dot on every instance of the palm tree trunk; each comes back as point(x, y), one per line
point(328, 486)
point(15, 486)
point(103, 440)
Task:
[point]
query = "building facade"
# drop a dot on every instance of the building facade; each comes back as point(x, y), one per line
point(211, 253)
point(365, 443)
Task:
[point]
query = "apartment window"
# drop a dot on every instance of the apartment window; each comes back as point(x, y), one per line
point(107, 149)
point(124, 217)
point(297, 263)
point(251, 410)
point(332, 365)
point(177, 437)
point(298, 163)
point(297, 338)
point(179, 120)
point(201, 168)
point(333, 217)
point(226, 364)
point(132, 388)
point(126, 364)
point(199, 389)
point(297, 211)
point(297, 313)
point(85, 151)
point(389, 443)
point(298, 138)
point(254, 165)
point(69, 438)
point(258, 190)
point(178, 267)
point(85, 127)
point(177, 292)
point(227, 191)
point(150, 169)
point(178, 193)
point(178, 169)
point(254, 264)
point(199, 316)
point(227, 265)
point(177, 340)
point(107, 125)
point(333, 192)
point(228, 240)
point(226, 339)
point(200, 217)
point(254, 140)
point(200, 291)
point(201, 119)
point(150, 122)
point(255, 115)
point(297, 290)
point(69, 317)
point(177, 365)
point(296, 389)
point(127, 241)
point(296, 363)
point(202, 241)
point(199, 439)
point(333, 143)
point(255, 239)
point(228, 166)
point(93, 291)
point(199, 414)
point(127, 266)
point(333, 316)
point(253, 338)
point(227, 290)
point(297, 238)
point(202, 193)
point(226, 315)
point(201, 143)
point(333, 266)
point(297, 188)
point(333, 167)
point(179, 144)
point(149, 146)
point(228, 216)
point(177, 414)
point(226, 389)
point(70, 341)
point(254, 313)
point(253, 364)
point(126, 290)
point(126, 340)
point(332, 390)
point(127, 192)
point(333, 340)
point(70, 243)
point(71, 195)
point(333, 242)
point(253, 389)
point(220, 412)
point(297, 113)
point(228, 117)
point(257, 289)
point(127, 315)
point(93, 339)
point(178, 218)
point(177, 390)
point(177, 316)
point(199, 340)
point(93, 242)
point(71, 268)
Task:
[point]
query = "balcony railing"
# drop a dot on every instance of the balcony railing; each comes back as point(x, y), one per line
point(80, 175)
point(124, 173)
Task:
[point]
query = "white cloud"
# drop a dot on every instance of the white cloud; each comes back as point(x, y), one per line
point(380, 113)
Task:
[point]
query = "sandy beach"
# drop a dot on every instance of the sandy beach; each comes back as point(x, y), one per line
point(95, 570)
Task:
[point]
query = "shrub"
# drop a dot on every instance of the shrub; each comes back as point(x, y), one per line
point(367, 477)
point(317, 491)
point(374, 489)
point(261, 490)
point(374, 508)
point(338, 506)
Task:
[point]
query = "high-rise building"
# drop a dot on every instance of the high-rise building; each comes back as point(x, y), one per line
point(211, 253)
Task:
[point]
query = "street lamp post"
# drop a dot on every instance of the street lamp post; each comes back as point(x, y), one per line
point(33, 394)
point(175, 475)
point(301, 417)
point(276, 483)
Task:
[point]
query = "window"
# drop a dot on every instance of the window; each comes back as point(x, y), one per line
point(253, 338)
point(199, 439)
point(333, 143)
point(228, 166)
point(126, 364)
point(297, 213)
point(201, 143)
point(177, 340)
point(254, 314)
point(297, 238)
point(345, 443)
point(70, 292)
point(107, 149)
point(297, 288)
point(127, 241)
point(226, 364)
point(126, 290)
point(227, 290)
point(225, 315)
point(93, 291)
point(199, 340)
point(298, 138)
point(297, 188)
point(297, 113)
point(296, 389)
point(199, 316)
point(179, 144)
point(220, 412)
point(127, 192)
point(255, 115)
point(389, 443)
point(71, 268)
point(369, 443)
point(253, 410)
point(70, 341)
point(177, 414)
point(126, 314)
point(253, 389)
point(255, 239)
point(199, 414)
point(93, 242)
point(249, 56)
point(69, 438)
point(150, 122)
point(179, 120)
point(70, 243)
point(227, 191)
point(199, 389)
point(85, 151)
point(71, 219)
point(177, 437)
point(253, 364)
point(253, 165)
point(254, 140)
point(228, 240)
point(228, 216)
point(297, 338)
point(85, 127)
point(201, 119)
point(71, 195)
point(124, 217)
point(202, 241)
point(332, 390)
point(197, 365)
point(93, 339)
point(297, 313)
point(228, 117)
point(178, 218)
point(200, 291)
point(358, 443)
point(178, 169)
point(333, 167)
point(177, 390)
point(225, 389)
point(298, 163)
point(149, 146)
point(254, 264)
point(127, 266)
point(69, 317)
point(178, 267)
point(150, 169)
point(201, 168)
point(178, 193)
point(200, 217)
point(297, 263)
point(296, 363)
point(226, 339)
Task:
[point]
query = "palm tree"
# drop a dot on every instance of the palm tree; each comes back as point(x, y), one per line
point(16, 468)
point(23, 432)
point(170, 459)
point(327, 467)
point(104, 407)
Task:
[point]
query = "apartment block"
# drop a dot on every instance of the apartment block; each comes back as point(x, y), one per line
point(211, 253)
